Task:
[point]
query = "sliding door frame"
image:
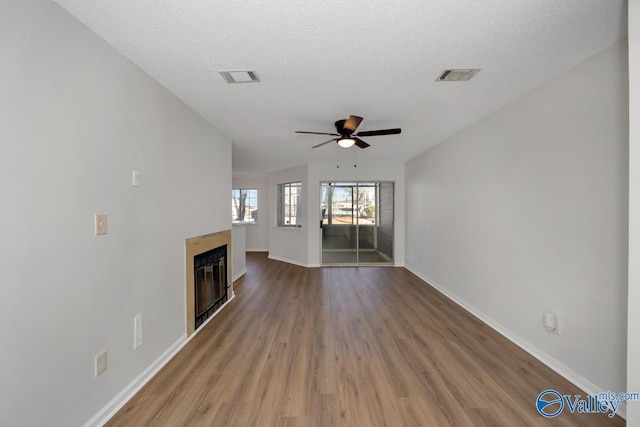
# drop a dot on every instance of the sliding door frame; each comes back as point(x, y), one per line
point(343, 243)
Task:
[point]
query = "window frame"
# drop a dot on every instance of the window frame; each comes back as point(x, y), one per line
point(286, 201)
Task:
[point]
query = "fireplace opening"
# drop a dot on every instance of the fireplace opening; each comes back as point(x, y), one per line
point(210, 277)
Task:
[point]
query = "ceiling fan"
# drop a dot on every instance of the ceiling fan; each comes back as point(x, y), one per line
point(346, 136)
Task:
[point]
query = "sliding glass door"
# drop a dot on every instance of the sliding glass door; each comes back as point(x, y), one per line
point(357, 222)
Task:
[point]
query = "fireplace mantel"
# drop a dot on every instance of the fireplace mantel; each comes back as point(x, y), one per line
point(195, 246)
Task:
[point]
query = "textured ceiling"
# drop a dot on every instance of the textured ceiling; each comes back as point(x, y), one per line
point(322, 61)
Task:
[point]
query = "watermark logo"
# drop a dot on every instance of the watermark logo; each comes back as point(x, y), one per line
point(550, 403)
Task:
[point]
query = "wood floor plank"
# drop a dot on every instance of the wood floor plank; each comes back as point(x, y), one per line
point(346, 346)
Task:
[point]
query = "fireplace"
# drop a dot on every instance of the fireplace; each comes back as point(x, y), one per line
point(210, 283)
point(209, 287)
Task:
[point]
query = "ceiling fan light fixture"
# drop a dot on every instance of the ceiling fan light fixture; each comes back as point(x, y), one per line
point(346, 142)
point(346, 136)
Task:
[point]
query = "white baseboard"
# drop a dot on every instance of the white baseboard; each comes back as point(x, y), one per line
point(111, 408)
point(256, 250)
point(553, 363)
point(287, 260)
point(239, 275)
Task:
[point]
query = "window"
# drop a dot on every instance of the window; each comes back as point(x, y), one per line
point(289, 204)
point(244, 206)
point(350, 203)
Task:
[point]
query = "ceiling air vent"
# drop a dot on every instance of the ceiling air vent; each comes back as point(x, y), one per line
point(457, 75)
point(240, 76)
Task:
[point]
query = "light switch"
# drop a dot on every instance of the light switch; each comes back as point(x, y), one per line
point(137, 331)
point(136, 178)
point(101, 224)
point(137, 322)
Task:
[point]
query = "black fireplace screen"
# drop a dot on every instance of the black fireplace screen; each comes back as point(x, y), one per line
point(210, 275)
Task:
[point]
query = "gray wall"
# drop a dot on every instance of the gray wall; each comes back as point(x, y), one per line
point(76, 118)
point(238, 243)
point(526, 211)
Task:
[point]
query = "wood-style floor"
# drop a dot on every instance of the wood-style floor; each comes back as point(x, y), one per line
point(346, 346)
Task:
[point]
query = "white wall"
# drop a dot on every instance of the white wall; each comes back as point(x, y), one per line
point(257, 234)
point(633, 358)
point(319, 172)
point(288, 244)
point(75, 118)
point(526, 211)
point(239, 239)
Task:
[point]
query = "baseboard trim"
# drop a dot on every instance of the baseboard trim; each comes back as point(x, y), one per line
point(111, 408)
point(569, 374)
point(239, 275)
point(287, 260)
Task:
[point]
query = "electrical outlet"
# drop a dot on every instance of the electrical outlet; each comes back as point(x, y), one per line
point(137, 331)
point(550, 322)
point(101, 363)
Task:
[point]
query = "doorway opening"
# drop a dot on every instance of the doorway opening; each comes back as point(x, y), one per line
point(357, 223)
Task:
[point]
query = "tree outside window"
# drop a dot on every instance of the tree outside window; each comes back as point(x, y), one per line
point(244, 205)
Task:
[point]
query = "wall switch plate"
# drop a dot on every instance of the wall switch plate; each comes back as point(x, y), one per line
point(137, 339)
point(136, 178)
point(101, 224)
point(137, 331)
point(550, 322)
point(101, 363)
